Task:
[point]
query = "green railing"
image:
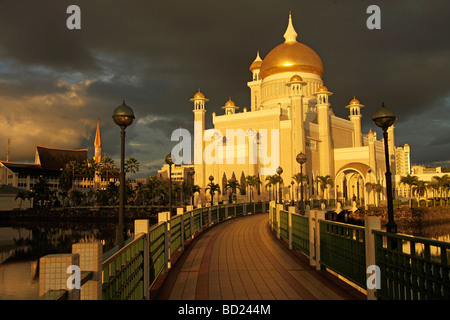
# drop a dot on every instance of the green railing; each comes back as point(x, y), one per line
point(157, 251)
point(342, 249)
point(284, 224)
point(197, 220)
point(175, 234)
point(123, 272)
point(300, 233)
point(187, 225)
point(274, 219)
point(412, 268)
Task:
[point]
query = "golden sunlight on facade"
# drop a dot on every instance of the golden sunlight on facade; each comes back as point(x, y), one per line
point(290, 112)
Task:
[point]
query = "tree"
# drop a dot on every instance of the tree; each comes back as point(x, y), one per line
point(42, 192)
point(442, 184)
point(420, 188)
point(410, 181)
point(132, 165)
point(299, 178)
point(232, 185)
point(271, 181)
point(212, 187)
point(251, 182)
point(324, 183)
point(76, 197)
point(107, 167)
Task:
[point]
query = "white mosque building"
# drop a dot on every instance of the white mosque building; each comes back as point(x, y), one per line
point(290, 113)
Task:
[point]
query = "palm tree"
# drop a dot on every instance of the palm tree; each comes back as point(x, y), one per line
point(252, 181)
point(42, 191)
point(107, 167)
point(410, 181)
point(195, 188)
point(232, 185)
point(212, 187)
point(324, 183)
point(74, 167)
point(299, 178)
point(420, 189)
point(132, 165)
point(442, 183)
point(272, 181)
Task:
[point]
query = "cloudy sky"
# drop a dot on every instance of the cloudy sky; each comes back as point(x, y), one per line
point(155, 55)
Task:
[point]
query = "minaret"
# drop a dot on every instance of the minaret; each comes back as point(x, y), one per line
point(199, 101)
point(295, 87)
point(98, 155)
point(323, 119)
point(255, 84)
point(230, 107)
point(355, 118)
point(98, 144)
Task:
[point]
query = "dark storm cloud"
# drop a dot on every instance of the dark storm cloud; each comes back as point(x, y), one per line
point(156, 54)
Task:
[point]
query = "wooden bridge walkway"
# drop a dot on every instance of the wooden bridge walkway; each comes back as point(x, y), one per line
point(240, 259)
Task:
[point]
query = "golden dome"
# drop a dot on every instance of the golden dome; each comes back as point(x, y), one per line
point(199, 95)
point(257, 63)
point(354, 101)
point(291, 57)
point(322, 89)
point(296, 78)
point(230, 103)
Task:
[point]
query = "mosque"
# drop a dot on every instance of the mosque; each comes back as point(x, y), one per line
point(290, 113)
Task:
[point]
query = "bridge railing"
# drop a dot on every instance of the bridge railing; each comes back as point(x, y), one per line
point(132, 271)
point(408, 267)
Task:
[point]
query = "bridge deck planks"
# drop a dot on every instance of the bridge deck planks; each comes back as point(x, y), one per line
point(240, 259)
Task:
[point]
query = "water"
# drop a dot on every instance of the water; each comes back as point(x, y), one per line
point(22, 245)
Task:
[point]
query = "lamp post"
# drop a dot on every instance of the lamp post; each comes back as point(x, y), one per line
point(170, 163)
point(279, 172)
point(123, 116)
point(211, 190)
point(384, 118)
point(191, 173)
point(292, 193)
point(301, 159)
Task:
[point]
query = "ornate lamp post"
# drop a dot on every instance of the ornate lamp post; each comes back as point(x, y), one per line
point(170, 163)
point(292, 193)
point(123, 116)
point(279, 172)
point(211, 191)
point(301, 159)
point(384, 118)
point(191, 173)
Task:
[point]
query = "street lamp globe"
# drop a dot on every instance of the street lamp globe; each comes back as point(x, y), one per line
point(279, 170)
point(123, 115)
point(384, 117)
point(169, 159)
point(301, 158)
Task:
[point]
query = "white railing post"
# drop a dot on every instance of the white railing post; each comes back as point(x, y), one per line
point(370, 223)
point(290, 212)
point(320, 215)
point(142, 226)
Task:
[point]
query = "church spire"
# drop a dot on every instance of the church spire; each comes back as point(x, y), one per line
point(290, 35)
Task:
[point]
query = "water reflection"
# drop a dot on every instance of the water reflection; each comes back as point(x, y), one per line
point(22, 245)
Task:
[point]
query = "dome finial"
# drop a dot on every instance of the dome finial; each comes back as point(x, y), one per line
point(290, 35)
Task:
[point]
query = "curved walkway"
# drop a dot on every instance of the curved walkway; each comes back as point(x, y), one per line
point(240, 259)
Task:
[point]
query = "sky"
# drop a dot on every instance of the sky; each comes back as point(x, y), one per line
point(56, 82)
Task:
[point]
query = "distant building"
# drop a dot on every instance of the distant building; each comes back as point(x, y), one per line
point(179, 173)
point(49, 163)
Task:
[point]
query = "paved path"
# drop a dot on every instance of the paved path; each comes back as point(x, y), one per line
point(240, 259)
